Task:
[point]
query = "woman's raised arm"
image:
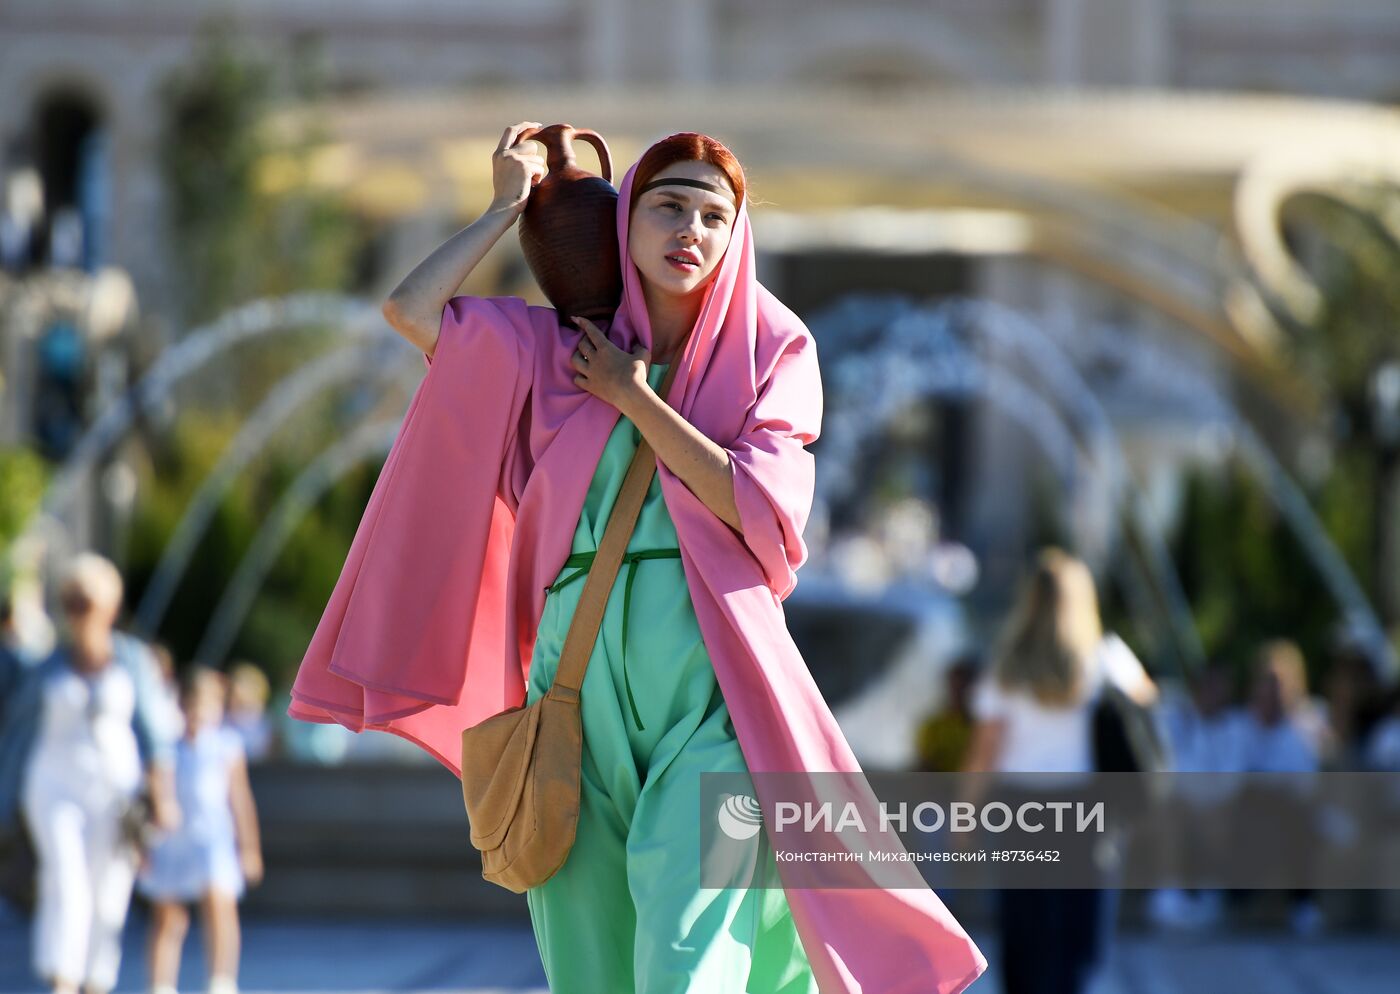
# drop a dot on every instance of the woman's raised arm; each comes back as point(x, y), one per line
point(414, 309)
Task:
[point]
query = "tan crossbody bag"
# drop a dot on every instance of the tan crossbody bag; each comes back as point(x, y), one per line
point(521, 768)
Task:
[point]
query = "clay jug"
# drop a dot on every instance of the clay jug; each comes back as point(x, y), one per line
point(568, 230)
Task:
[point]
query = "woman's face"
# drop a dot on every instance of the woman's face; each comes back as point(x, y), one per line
point(672, 221)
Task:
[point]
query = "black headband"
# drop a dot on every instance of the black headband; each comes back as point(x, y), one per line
point(682, 181)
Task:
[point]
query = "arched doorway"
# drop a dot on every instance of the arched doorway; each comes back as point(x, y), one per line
point(70, 149)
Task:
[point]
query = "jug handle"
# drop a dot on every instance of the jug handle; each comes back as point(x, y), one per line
point(599, 146)
point(529, 135)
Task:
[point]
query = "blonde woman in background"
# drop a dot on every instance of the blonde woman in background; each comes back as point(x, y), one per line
point(1033, 714)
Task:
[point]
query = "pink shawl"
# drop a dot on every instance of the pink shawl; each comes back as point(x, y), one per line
point(431, 625)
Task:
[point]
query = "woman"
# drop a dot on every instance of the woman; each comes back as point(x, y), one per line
point(1033, 716)
point(87, 728)
point(709, 679)
point(214, 853)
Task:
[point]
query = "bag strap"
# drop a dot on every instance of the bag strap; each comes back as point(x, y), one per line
point(588, 616)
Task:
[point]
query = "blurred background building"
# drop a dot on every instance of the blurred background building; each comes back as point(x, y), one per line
point(1114, 274)
point(1116, 164)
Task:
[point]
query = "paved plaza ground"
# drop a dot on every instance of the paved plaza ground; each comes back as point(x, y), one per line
point(477, 958)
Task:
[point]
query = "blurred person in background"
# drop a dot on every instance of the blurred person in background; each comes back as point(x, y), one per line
point(21, 211)
point(11, 663)
point(1382, 749)
point(26, 630)
point(306, 742)
point(1201, 722)
point(19, 651)
point(944, 736)
point(248, 693)
point(169, 690)
point(16, 850)
point(83, 733)
point(214, 852)
point(1033, 714)
point(1284, 730)
point(1355, 704)
point(1205, 732)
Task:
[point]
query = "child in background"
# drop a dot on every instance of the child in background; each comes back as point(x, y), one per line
point(215, 850)
point(248, 692)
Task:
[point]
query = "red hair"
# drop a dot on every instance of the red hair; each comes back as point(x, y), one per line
point(688, 146)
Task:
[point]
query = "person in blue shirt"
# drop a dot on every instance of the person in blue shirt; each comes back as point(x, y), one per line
point(83, 734)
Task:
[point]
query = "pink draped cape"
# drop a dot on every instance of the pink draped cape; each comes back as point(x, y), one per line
point(431, 625)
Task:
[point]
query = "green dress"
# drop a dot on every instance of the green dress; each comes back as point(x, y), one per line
point(626, 912)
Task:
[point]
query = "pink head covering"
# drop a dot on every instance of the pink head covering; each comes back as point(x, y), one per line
point(720, 313)
point(431, 626)
point(729, 363)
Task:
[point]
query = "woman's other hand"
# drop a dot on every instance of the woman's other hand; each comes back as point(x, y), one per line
point(516, 169)
point(604, 370)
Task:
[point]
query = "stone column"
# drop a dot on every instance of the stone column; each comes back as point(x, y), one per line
point(692, 36)
point(1107, 43)
point(605, 40)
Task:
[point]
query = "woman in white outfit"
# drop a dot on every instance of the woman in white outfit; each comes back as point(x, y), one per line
point(1033, 714)
point(87, 758)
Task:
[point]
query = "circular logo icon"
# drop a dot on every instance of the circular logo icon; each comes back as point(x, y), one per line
point(740, 817)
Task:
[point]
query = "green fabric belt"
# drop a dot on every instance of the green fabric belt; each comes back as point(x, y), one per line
point(584, 560)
